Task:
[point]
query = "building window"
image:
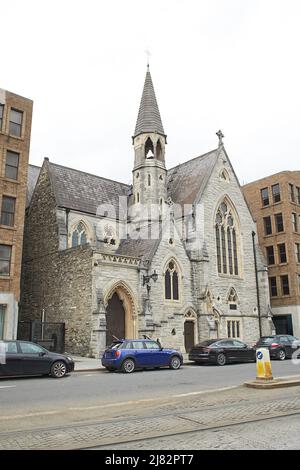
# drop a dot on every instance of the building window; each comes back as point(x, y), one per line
point(265, 196)
point(297, 252)
point(5, 259)
point(149, 150)
point(12, 165)
point(279, 223)
point(233, 328)
point(15, 122)
point(1, 115)
point(137, 197)
point(285, 285)
point(270, 255)
point(298, 194)
point(8, 211)
point(294, 222)
point(149, 180)
point(171, 282)
point(291, 191)
point(276, 193)
point(299, 282)
point(2, 320)
point(268, 225)
point(282, 253)
point(226, 240)
point(273, 286)
point(79, 235)
point(232, 299)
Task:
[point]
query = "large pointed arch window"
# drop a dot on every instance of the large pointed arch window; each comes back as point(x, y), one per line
point(227, 236)
point(79, 236)
point(171, 281)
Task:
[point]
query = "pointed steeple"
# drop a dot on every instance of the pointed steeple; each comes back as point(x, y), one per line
point(149, 119)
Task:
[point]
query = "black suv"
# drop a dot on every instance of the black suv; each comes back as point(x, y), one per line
point(280, 346)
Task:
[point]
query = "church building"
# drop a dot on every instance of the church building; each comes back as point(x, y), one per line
point(173, 256)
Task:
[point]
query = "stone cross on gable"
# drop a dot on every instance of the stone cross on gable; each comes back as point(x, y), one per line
point(220, 135)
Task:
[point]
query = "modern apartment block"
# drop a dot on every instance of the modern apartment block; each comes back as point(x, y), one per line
point(15, 129)
point(275, 205)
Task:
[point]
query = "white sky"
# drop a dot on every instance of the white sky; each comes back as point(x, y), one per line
point(229, 64)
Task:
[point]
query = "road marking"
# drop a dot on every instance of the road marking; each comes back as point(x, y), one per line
point(203, 391)
point(7, 386)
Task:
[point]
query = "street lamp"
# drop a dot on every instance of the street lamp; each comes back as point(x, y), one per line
point(146, 279)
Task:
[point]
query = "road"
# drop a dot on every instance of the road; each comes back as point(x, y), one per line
point(39, 393)
point(92, 409)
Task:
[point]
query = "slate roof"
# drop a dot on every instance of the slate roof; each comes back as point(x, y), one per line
point(188, 180)
point(33, 174)
point(84, 192)
point(137, 248)
point(149, 119)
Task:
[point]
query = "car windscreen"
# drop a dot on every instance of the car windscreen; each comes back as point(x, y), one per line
point(115, 345)
point(266, 340)
point(207, 342)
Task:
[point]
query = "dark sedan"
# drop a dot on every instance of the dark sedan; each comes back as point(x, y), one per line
point(25, 358)
point(279, 346)
point(222, 351)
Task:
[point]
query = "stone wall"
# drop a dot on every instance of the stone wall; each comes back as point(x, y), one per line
point(244, 284)
point(57, 281)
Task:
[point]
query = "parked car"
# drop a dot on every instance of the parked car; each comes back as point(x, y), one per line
point(131, 354)
point(221, 351)
point(26, 358)
point(280, 346)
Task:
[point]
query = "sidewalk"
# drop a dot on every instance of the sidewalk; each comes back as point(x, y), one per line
point(86, 364)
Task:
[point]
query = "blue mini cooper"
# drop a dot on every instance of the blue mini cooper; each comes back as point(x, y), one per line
point(130, 354)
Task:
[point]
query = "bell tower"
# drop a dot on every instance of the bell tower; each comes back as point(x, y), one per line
point(149, 141)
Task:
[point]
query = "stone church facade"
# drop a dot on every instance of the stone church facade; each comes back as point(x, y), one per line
point(171, 256)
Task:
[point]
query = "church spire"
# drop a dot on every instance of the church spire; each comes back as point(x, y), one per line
point(149, 119)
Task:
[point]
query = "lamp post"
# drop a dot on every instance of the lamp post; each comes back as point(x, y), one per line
point(146, 279)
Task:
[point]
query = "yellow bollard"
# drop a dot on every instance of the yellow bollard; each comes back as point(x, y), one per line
point(263, 364)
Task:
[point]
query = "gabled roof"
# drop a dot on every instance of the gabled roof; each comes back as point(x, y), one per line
point(139, 248)
point(149, 119)
point(82, 191)
point(33, 174)
point(187, 181)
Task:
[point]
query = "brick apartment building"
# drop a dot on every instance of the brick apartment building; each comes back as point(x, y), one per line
point(15, 128)
point(275, 205)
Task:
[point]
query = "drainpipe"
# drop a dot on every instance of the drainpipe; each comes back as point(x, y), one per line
point(67, 225)
point(257, 286)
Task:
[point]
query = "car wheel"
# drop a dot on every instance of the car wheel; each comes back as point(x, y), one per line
point(128, 366)
point(281, 355)
point(58, 369)
point(221, 359)
point(175, 363)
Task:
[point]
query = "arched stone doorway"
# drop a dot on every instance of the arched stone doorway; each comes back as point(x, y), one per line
point(121, 312)
point(189, 335)
point(189, 330)
point(115, 319)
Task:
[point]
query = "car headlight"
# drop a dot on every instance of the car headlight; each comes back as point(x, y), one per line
point(69, 358)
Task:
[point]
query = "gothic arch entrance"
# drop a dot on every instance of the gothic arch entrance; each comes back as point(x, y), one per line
point(189, 329)
point(121, 312)
point(189, 335)
point(115, 319)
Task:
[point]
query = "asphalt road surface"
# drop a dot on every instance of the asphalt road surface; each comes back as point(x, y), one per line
point(146, 409)
point(87, 388)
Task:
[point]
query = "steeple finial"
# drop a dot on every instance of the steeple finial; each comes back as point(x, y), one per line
point(221, 136)
point(148, 58)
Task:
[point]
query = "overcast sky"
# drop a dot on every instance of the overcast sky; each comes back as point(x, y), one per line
point(229, 64)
